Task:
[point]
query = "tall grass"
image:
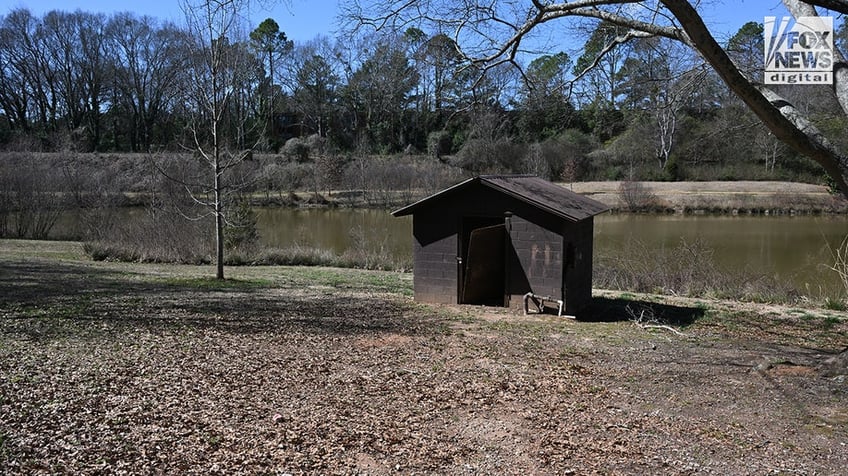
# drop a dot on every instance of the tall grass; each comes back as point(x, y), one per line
point(159, 237)
point(165, 237)
point(687, 269)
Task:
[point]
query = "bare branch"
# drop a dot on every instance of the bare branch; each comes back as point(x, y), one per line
point(648, 320)
point(619, 40)
point(492, 33)
point(586, 9)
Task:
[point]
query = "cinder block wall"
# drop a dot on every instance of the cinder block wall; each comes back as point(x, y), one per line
point(539, 253)
point(578, 268)
point(435, 266)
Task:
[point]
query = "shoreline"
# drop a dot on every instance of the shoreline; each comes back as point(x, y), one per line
point(695, 198)
point(686, 198)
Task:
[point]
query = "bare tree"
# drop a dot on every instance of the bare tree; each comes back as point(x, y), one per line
point(147, 60)
point(214, 67)
point(492, 33)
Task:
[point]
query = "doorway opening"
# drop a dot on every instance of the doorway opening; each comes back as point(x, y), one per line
point(482, 261)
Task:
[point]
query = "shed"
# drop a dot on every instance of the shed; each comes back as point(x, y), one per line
point(495, 239)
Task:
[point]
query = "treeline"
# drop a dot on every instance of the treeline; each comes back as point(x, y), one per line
point(86, 82)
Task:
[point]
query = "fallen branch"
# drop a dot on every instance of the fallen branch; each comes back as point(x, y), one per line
point(643, 323)
point(662, 326)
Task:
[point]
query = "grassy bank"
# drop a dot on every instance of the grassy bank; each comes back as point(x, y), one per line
point(150, 368)
point(739, 197)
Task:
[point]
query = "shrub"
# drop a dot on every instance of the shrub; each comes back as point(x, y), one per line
point(240, 229)
point(330, 169)
point(31, 198)
point(161, 236)
point(296, 149)
point(840, 262)
point(316, 144)
point(301, 255)
point(636, 197)
point(486, 156)
point(439, 143)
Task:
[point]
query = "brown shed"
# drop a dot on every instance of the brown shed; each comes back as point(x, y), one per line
point(498, 239)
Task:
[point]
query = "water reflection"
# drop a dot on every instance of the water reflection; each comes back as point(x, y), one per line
point(793, 249)
point(337, 230)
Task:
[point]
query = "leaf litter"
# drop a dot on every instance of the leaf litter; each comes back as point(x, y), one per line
point(124, 373)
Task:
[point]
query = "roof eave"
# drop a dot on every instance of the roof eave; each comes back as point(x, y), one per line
point(537, 204)
point(410, 209)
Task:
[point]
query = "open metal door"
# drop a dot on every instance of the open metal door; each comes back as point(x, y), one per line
point(485, 266)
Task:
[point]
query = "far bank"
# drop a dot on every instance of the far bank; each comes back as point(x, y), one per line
point(738, 197)
point(734, 198)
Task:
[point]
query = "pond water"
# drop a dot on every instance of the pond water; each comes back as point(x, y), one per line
point(790, 248)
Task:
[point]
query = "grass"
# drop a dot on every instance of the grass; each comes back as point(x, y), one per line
point(176, 278)
point(354, 279)
point(54, 250)
point(210, 283)
point(835, 304)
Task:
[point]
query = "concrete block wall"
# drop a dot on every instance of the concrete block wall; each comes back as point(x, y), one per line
point(435, 275)
point(578, 272)
point(540, 253)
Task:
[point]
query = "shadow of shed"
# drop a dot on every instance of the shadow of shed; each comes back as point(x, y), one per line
point(493, 239)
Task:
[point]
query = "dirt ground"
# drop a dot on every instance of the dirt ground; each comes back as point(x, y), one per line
point(145, 369)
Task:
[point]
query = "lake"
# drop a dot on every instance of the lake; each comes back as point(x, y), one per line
point(793, 248)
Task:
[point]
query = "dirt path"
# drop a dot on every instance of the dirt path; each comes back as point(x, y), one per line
point(116, 368)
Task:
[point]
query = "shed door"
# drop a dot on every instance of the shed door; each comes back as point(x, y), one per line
point(484, 267)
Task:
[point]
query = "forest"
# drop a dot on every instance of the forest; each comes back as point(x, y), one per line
point(649, 110)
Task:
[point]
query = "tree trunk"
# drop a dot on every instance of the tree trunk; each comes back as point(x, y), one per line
point(781, 117)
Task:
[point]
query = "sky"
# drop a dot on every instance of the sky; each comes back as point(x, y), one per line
point(303, 20)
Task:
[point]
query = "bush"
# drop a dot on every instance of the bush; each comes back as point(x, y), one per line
point(636, 197)
point(161, 236)
point(300, 255)
point(439, 143)
point(31, 198)
point(317, 145)
point(296, 149)
point(398, 180)
point(485, 156)
point(240, 230)
point(330, 169)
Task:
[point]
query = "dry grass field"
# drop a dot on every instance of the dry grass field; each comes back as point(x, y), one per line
point(724, 197)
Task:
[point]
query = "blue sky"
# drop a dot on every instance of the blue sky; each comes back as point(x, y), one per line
point(303, 20)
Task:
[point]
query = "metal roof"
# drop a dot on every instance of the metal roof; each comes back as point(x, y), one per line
point(530, 189)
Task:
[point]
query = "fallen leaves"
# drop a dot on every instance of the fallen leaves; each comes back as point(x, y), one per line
point(175, 379)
